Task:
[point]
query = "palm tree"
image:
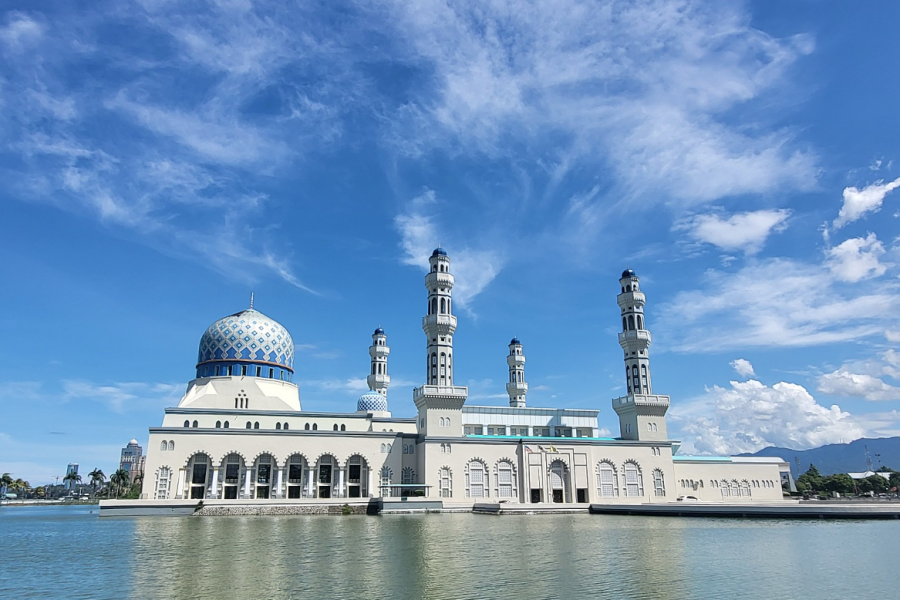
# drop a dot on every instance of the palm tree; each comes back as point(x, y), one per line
point(6, 481)
point(73, 477)
point(97, 478)
point(120, 479)
point(40, 492)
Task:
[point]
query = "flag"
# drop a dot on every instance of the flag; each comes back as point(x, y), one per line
point(527, 449)
point(552, 448)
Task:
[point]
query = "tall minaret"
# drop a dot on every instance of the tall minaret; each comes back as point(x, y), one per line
point(635, 340)
point(516, 387)
point(439, 324)
point(439, 401)
point(378, 379)
point(642, 414)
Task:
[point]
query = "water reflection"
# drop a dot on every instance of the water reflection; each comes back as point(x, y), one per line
point(45, 550)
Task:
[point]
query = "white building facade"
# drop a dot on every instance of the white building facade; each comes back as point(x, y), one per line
point(239, 432)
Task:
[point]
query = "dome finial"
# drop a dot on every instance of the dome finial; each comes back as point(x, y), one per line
point(251, 299)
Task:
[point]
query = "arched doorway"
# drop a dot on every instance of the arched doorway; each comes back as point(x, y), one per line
point(231, 480)
point(357, 477)
point(264, 468)
point(198, 470)
point(559, 481)
point(297, 474)
point(325, 473)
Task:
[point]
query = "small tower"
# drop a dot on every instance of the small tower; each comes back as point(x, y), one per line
point(516, 387)
point(642, 414)
point(378, 379)
point(439, 401)
point(374, 401)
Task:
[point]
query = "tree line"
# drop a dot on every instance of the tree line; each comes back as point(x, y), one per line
point(814, 482)
point(119, 485)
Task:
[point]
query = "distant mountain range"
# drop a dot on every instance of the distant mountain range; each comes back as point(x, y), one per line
point(840, 458)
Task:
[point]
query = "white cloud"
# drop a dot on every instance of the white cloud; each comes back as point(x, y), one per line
point(473, 269)
point(20, 32)
point(750, 416)
point(856, 259)
point(863, 378)
point(567, 72)
point(744, 231)
point(859, 202)
point(122, 396)
point(776, 302)
point(351, 385)
point(743, 367)
point(857, 385)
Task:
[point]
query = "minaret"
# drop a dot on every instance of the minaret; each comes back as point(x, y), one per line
point(516, 388)
point(642, 414)
point(378, 379)
point(439, 324)
point(439, 401)
point(635, 340)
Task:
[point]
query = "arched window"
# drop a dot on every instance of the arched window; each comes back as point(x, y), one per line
point(343, 428)
point(285, 427)
point(161, 491)
point(475, 480)
point(383, 448)
point(218, 424)
point(235, 402)
point(634, 483)
point(306, 427)
point(187, 423)
point(433, 306)
point(505, 480)
point(640, 322)
point(195, 424)
point(171, 445)
point(386, 481)
point(745, 488)
point(659, 484)
point(445, 483)
point(607, 484)
point(256, 425)
point(443, 306)
point(624, 324)
point(226, 424)
point(163, 445)
point(315, 426)
point(278, 426)
point(631, 322)
point(407, 476)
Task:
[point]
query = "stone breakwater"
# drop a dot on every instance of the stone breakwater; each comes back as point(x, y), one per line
point(284, 509)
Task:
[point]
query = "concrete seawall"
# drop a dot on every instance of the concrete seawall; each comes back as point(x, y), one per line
point(776, 510)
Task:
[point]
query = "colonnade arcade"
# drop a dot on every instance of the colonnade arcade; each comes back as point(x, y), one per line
point(296, 476)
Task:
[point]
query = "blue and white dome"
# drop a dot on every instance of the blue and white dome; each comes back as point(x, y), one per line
point(372, 401)
point(246, 343)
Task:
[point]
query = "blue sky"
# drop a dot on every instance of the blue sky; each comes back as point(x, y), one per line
point(161, 160)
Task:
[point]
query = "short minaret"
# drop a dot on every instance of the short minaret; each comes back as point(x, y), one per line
point(516, 387)
point(378, 379)
point(439, 401)
point(642, 415)
point(374, 402)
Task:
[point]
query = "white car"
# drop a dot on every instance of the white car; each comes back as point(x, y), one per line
point(687, 499)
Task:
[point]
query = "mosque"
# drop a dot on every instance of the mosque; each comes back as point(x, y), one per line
point(239, 432)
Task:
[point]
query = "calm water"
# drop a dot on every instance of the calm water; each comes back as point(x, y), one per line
point(67, 552)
